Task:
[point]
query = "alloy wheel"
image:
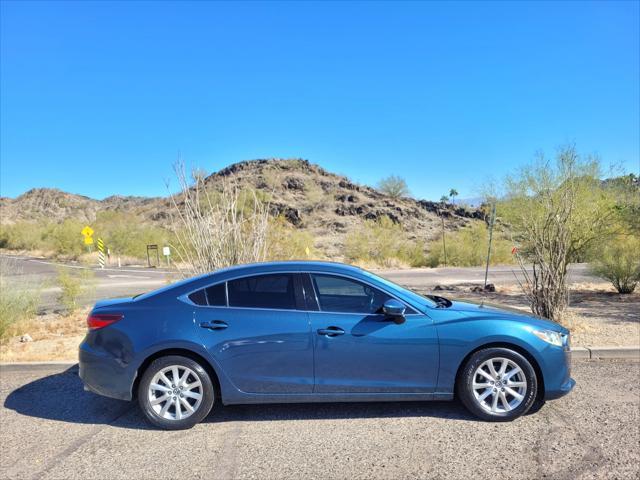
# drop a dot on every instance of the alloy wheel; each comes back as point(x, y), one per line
point(499, 385)
point(175, 392)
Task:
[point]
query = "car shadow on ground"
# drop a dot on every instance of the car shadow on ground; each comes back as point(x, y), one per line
point(61, 397)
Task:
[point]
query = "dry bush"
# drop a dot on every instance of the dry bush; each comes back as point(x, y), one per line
point(55, 337)
point(314, 194)
point(216, 229)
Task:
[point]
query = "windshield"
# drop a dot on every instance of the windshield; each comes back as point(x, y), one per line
point(428, 299)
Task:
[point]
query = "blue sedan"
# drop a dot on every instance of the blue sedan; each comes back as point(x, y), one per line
point(316, 332)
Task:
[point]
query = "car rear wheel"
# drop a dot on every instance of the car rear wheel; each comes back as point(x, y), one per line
point(497, 384)
point(175, 393)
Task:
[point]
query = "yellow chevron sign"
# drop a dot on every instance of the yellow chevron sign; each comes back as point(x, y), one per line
point(101, 251)
point(87, 233)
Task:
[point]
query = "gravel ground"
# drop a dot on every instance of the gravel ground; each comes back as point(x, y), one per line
point(50, 428)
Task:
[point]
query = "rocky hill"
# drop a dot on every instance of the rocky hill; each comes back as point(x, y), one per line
point(308, 196)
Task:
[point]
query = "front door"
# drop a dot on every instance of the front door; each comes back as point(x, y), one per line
point(262, 339)
point(359, 350)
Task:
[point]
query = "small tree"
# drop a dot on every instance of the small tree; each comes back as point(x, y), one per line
point(555, 212)
point(393, 186)
point(217, 228)
point(453, 193)
point(444, 199)
point(619, 262)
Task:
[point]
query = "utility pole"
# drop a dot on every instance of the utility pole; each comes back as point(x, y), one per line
point(491, 222)
point(444, 243)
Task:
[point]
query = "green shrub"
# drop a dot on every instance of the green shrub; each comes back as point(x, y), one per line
point(382, 242)
point(17, 301)
point(619, 262)
point(393, 186)
point(65, 239)
point(73, 284)
point(23, 236)
point(468, 246)
point(285, 242)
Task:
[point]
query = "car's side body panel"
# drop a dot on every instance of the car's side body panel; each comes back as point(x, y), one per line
point(375, 355)
point(261, 351)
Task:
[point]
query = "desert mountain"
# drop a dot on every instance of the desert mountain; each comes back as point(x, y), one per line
point(308, 196)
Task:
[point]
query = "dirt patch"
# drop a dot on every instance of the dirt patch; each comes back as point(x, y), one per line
point(53, 337)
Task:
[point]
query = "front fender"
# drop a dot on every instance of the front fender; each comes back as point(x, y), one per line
point(459, 339)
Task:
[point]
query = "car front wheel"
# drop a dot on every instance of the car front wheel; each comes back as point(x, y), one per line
point(175, 393)
point(498, 384)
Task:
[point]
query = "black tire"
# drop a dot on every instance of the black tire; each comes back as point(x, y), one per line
point(206, 390)
point(466, 393)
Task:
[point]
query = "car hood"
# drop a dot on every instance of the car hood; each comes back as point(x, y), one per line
point(483, 310)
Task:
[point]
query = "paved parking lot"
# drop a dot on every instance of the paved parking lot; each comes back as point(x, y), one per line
point(51, 428)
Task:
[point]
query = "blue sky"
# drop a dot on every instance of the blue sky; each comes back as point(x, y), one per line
point(99, 98)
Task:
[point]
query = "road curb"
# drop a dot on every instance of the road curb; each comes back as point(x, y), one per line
point(614, 352)
point(606, 353)
point(577, 353)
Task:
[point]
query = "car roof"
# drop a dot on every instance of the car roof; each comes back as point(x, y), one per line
point(252, 268)
point(289, 264)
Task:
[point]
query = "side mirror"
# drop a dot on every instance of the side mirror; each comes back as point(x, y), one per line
point(394, 309)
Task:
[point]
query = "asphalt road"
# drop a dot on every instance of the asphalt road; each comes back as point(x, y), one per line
point(50, 428)
point(127, 281)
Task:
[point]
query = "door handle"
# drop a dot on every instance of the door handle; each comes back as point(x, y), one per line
point(331, 331)
point(214, 325)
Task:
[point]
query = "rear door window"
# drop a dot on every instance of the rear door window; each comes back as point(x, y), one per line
point(275, 291)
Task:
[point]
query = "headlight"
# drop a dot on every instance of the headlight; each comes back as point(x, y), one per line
point(549, 336)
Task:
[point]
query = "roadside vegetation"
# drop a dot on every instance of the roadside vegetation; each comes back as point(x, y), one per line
point(124, 234)
point(74, 285)
point(383, 243)
point(468, 247)
point(558, 212)
point(618, 260)
point(18, 301)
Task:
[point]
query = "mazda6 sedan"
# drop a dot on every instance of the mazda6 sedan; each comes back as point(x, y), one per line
point(290, 332)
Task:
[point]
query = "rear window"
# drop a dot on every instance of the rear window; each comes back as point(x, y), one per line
point(214, 296)
point(199, 297)
point(262, 291)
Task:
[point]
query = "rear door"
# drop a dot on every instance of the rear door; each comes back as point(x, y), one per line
point(257, 330)
point(360, 350)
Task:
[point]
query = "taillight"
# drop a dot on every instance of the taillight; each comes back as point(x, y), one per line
point(101, 320)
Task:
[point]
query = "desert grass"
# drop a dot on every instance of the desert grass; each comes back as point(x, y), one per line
point(55, 337)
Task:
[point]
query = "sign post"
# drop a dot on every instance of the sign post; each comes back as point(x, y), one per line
point(153, 248)
point(493, 219)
